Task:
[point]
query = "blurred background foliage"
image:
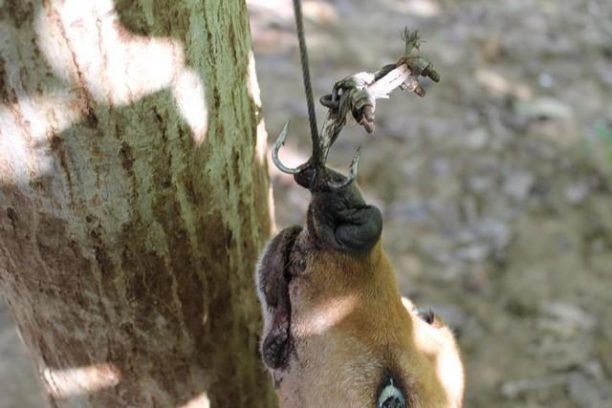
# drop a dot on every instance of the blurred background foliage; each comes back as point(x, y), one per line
point(495, 187)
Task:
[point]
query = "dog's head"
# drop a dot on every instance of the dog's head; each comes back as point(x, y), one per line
point(337, 331)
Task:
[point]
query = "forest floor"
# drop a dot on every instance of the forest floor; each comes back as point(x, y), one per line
point(495, 187)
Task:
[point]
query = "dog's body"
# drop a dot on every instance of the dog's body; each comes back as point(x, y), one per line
point(337, 331)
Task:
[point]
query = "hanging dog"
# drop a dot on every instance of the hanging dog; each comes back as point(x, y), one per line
point(337, 332)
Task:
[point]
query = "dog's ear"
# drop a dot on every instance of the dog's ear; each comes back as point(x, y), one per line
point(273, 264)
point(342, 220)
point(273, 281)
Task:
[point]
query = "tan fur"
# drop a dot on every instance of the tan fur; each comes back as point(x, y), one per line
point(349, 325)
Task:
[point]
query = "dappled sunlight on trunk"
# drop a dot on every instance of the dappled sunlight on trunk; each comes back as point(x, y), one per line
point(116, 66)
point(85, 42)
point(201, 401)
point(188, 92)
point(72, 382)
point(261, 145)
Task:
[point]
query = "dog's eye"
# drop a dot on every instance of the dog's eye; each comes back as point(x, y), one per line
point(391, 397)
point(427, 316)
point(430, 318)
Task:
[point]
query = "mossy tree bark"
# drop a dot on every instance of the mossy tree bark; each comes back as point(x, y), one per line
point(133, 199)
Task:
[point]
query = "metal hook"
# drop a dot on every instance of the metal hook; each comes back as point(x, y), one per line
point(333, 185)
point(352, 175)
point(280, 142)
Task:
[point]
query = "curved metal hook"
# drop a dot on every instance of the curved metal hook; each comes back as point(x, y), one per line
point(280, 142)
point(319, 168)
point(352, 173)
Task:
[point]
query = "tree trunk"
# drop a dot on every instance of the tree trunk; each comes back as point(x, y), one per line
point(133, 199)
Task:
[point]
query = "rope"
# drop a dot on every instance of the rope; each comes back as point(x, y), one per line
point(312, 117)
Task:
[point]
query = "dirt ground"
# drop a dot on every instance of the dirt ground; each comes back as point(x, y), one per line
point(495, 187)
